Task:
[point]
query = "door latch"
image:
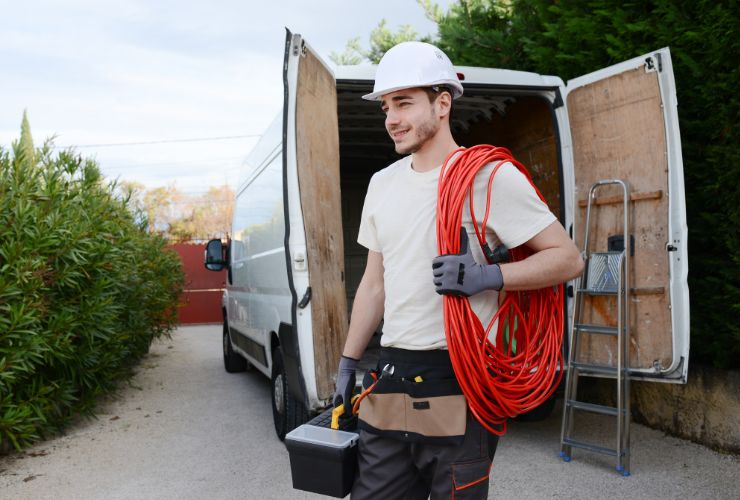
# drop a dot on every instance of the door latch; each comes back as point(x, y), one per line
point(306, 299)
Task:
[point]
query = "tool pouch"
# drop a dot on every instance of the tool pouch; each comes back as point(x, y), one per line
point(431, 411)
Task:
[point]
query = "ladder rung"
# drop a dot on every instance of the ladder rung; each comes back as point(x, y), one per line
point(604, 330)
point(588, 291)
point(595, 368)
point(593, 408)
point(591, 447)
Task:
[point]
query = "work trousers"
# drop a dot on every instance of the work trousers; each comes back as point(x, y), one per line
point(391, 468)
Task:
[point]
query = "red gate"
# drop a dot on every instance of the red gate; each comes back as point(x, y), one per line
point(201, 302)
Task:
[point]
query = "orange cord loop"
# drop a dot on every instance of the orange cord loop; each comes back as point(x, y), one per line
point(522, 366)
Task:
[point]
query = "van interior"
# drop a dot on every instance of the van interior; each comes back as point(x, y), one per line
point(522, 122)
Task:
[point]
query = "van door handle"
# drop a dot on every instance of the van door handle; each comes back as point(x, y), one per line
point(306, 299)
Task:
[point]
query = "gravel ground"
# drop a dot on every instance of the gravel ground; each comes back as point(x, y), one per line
point(185, 429)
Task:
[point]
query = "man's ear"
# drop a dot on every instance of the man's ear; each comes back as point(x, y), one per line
point(444, 104)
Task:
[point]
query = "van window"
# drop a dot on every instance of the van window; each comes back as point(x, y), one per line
point(259, 221)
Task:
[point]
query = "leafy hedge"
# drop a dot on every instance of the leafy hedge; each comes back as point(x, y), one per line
point(83, 289)
point(573, 37)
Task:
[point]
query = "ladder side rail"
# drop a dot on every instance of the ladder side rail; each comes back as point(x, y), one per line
point(566, 429)
point(623, 416)
point(620, 361)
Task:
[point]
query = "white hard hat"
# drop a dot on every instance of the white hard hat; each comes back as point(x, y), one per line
point(414, 64)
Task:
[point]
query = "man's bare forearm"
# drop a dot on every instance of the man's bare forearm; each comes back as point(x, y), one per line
point(556, 260)
point(367, 311)
point(545, 268)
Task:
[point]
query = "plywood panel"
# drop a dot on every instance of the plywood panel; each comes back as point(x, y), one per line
point(318, 178)
point(618, 132)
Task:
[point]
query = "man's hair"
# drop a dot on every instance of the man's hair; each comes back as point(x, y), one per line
point(434, 91)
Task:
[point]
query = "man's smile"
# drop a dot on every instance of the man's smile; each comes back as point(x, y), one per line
point(397, 135)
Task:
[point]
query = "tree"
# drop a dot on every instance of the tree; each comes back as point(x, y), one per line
point(177, 216)
point(207, 216)
point(381, 39)
point(162, 205)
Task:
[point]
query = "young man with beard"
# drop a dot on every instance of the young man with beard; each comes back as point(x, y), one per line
point(414, 448)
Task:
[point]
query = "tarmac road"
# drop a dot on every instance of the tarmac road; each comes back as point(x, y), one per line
point(186, 429)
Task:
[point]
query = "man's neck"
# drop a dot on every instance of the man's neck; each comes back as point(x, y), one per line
point(434, 152)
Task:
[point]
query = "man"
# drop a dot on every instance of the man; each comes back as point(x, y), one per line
point(411, 447)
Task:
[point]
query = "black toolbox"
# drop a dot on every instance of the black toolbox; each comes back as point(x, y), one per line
point(323, 460)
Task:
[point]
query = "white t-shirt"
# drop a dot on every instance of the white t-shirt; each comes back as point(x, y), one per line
point(399, 221)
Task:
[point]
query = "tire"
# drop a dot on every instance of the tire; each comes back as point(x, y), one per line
point(233, 362)
point(287, 412)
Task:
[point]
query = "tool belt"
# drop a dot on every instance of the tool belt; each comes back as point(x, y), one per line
point(416, 398)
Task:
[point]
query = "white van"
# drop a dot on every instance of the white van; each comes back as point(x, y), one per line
point(294, 263)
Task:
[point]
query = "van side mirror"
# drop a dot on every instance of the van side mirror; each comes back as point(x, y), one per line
point(215, 258)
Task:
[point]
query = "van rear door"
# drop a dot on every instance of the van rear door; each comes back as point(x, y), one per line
point(316, 243)
point(624, 124)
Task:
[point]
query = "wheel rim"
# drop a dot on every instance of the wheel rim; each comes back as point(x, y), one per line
point(226, 343)
point(278, 393)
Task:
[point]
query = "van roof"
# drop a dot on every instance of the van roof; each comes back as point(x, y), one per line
point(472, 75)
point(365, 74)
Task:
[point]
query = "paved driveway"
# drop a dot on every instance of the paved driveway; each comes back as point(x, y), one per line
point(186, 429)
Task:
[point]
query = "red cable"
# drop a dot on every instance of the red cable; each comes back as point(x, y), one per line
point(523, 365)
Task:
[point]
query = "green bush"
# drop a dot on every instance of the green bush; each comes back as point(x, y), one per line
point(569, 38)
point(83, 289)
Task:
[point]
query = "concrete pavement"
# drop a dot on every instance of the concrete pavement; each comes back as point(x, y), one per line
point(185, 429)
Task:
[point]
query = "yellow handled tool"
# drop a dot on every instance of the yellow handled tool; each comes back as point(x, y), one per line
point(339, 411)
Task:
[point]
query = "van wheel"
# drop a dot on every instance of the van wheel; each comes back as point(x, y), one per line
point(233, 363)
point(287, 412)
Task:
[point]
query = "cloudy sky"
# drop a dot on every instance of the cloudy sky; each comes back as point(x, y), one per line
point(100, 73)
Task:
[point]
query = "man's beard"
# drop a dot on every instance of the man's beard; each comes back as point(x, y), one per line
point(424, 131)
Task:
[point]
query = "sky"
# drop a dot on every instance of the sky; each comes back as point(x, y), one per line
point(96, 74)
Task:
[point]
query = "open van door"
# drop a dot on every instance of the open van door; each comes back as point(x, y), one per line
point(624, 125)
point(314, 243)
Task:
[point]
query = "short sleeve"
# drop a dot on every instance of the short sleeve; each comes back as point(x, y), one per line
point(368, 235)
point(517, 214)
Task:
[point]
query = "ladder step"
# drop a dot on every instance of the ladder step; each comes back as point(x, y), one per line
point(591, 447)
point(593, 408)
point(604, 330)
point(589, 291)
point(609, 370)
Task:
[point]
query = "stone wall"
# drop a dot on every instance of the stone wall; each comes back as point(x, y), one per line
point(706, 410)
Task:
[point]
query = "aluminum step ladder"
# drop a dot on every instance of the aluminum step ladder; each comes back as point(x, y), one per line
point(606, 274)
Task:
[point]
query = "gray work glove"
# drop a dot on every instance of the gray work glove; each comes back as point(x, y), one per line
point(345, 383)
point(459, 274)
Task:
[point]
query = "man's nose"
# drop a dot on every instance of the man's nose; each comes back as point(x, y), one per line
point(391, 118)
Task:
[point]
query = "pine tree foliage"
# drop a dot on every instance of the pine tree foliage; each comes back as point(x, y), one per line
point(83, 289)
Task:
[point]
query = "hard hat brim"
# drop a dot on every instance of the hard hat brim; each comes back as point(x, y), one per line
point(457, 90)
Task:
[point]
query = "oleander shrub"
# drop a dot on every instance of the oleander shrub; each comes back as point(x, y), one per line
point(84, 289)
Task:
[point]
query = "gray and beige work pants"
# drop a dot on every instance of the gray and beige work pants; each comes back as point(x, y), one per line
point(396, 459)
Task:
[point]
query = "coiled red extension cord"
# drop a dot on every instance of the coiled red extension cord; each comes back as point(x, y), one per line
point(518, 370)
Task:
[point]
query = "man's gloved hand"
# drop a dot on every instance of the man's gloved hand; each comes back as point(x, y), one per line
point(345, 383)
point(459, 274)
